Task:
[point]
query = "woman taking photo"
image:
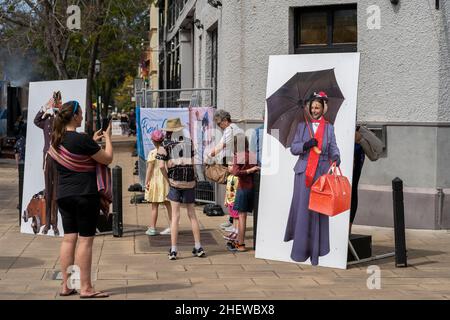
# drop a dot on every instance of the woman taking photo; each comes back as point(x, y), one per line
point(78, 156)
point(315, 144)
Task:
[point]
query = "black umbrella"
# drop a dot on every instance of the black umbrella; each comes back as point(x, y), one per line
point(285, 106)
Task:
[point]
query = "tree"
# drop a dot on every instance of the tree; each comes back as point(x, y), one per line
point(124, 93)
point(108, 30)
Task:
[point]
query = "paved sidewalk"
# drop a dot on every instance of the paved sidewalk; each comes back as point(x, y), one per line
point(136, 266)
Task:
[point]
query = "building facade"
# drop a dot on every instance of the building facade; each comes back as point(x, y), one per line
point(403, 90)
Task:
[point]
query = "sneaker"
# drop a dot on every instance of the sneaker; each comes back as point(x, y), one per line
point(231, 246)
point(198, 252)
point(225, 225)
point(241, 247)
point(229, 229)
point(165, 231)
point(231, 236)
point(151, 232)
point(172, 255)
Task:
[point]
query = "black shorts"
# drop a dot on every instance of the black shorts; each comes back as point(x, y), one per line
point(79, 214)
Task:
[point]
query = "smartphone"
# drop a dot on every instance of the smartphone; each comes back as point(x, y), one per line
point(105, 123)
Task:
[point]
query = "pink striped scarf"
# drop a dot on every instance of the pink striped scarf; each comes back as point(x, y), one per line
point(83, 163)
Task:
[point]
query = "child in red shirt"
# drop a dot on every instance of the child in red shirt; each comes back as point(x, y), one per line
point(244, 165)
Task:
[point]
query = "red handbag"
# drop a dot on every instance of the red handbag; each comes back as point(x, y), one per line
point(331, 193)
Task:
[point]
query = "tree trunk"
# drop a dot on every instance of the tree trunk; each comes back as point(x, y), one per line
point(93, 56)
point(107, 97)
point(54, 37)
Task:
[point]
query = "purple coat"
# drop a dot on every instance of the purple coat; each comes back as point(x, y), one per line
point(308, 229)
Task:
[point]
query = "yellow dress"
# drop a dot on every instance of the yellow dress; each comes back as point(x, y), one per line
point(159, 187)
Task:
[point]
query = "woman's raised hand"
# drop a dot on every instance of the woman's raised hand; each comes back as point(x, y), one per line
point(50, 103)
point(108, 131)
point(98, 135)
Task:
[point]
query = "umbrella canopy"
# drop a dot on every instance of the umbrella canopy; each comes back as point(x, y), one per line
point(285, 107)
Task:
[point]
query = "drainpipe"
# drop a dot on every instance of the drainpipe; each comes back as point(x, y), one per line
point(439, 208)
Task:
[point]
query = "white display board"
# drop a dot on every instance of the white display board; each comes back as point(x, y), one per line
point(277, 175)
point(116, 129)
point(39, 95)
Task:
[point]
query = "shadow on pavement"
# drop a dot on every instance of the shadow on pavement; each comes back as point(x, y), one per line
point(411, 254)
point(25, 262)
point(151, 288)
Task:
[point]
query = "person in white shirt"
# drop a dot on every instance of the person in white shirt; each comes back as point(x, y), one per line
point(224, 149)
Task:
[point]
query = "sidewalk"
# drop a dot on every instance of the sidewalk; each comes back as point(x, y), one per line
point(136, 266)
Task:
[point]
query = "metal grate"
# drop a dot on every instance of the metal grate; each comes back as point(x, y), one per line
point(205, 192)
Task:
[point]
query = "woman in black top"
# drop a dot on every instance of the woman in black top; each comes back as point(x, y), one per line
point(78, 197)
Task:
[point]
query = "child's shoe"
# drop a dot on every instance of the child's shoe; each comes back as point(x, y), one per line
point(151, 232)
point(231, 236)
point(225, 225)
point(230, 229)
point(166, 231)
point(231, 246)
point(198, 252)
point(172, 255)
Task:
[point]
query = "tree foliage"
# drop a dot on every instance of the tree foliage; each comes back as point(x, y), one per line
point(111, 31)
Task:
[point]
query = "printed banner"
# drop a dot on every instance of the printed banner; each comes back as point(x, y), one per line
point(151, 119)
point(201, 126)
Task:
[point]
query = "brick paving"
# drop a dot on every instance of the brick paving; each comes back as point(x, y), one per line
point(132, 268)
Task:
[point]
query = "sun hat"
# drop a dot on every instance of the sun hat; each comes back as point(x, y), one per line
point(173, 125)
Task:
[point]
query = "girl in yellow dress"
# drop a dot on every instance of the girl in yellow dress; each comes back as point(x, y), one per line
point(156, 187)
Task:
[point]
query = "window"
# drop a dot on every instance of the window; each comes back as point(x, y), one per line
point(325, 29)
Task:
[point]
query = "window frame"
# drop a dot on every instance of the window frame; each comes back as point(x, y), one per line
point(330, 47)
point(214, 38)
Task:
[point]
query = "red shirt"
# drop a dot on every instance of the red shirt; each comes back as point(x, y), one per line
point(241, 162)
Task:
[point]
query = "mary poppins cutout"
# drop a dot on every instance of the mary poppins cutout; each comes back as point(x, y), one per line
point(304, 110)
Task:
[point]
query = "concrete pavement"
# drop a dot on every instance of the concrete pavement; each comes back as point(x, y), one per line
point(136, 266)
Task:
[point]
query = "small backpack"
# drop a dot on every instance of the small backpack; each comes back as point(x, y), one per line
point(213, 210)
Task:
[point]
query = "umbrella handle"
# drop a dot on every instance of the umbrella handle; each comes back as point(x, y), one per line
point(317, 150)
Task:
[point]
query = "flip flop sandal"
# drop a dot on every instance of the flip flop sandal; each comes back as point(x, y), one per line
point(70, 293)
point(95, 295)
